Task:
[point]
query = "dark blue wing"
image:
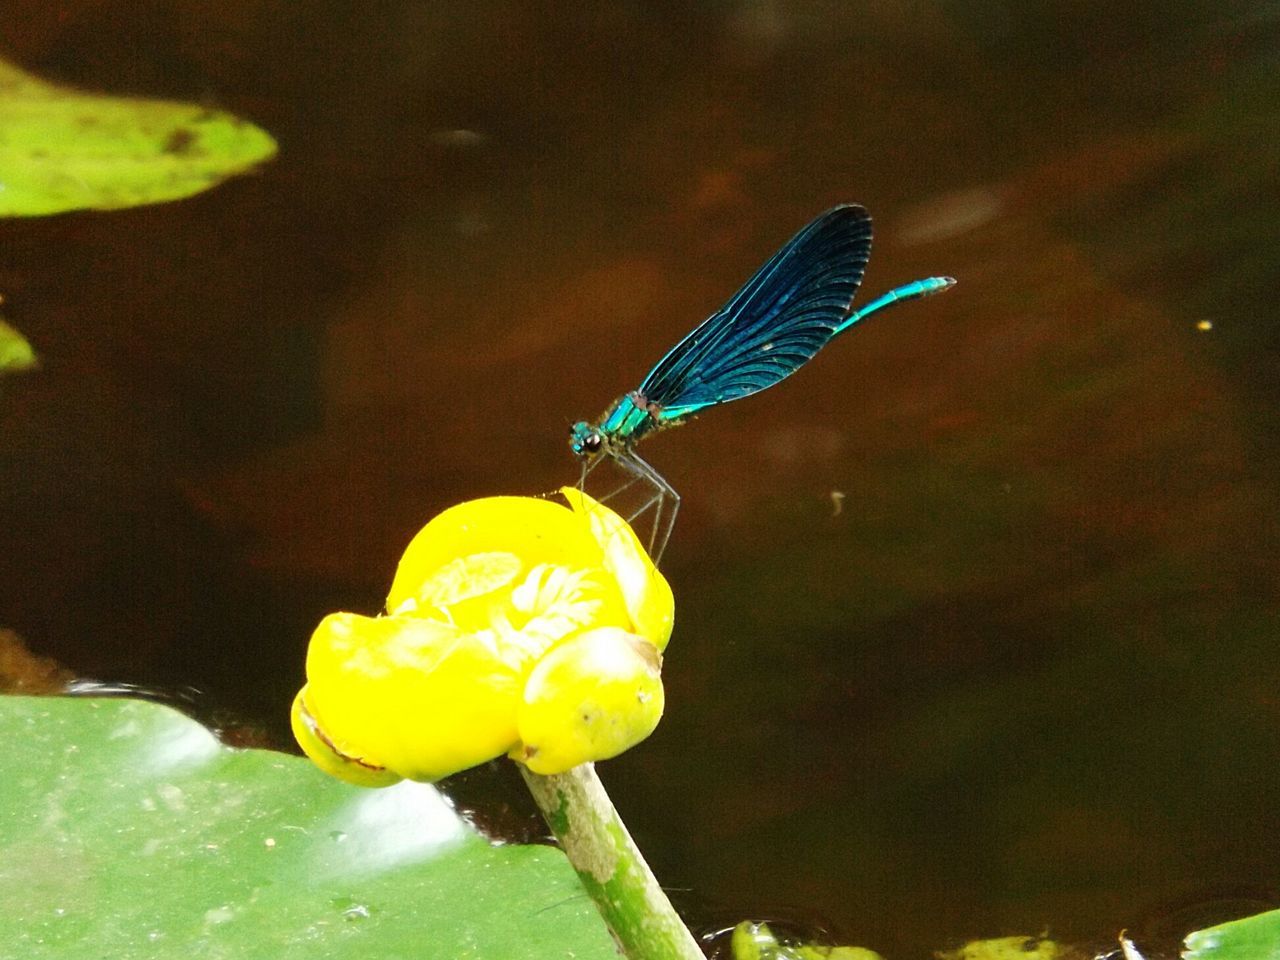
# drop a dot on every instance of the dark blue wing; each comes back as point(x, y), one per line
point(784, 314)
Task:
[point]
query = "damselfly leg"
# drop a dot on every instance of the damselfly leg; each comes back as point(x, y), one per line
point(663, 499)
point(632, 479)
point(659, 496)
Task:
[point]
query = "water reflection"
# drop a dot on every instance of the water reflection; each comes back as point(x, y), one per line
point(1024, 677)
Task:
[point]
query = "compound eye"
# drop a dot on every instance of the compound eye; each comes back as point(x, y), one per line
point(591, 443)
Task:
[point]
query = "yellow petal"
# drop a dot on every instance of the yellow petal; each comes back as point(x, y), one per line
point(644, 589)
point(417, 697)
point(466, 590)
point(323, 753)
point(589, 699)
point(535, 531)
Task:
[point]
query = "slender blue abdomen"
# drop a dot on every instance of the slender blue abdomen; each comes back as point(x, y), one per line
point(908, 291)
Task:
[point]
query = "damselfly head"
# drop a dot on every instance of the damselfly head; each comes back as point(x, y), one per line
point(585, 439)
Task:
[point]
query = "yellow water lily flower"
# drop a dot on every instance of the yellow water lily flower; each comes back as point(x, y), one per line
point(514, 625)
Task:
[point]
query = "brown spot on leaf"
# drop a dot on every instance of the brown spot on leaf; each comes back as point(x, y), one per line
point(180, 141)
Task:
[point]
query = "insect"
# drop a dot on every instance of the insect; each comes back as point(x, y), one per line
point(788, 311)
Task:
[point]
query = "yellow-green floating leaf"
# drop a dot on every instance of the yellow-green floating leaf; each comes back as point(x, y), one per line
point(1252, 938)
point(15, 352)
point(755, 941)
point(61, 149)
point(1011, 948)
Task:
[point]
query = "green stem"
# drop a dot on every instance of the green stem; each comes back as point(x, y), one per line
point(624, 889)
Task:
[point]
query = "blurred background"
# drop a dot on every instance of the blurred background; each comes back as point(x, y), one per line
point(976, 616)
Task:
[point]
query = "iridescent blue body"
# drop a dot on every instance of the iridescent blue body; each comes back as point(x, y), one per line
point(789, 310)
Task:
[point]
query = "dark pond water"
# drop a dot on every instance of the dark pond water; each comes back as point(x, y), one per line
point(1027, 677)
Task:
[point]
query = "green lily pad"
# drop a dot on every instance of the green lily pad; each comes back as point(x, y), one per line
point(1251, 938)
point(15, 352)
point(130, 831)
point(61, 149)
